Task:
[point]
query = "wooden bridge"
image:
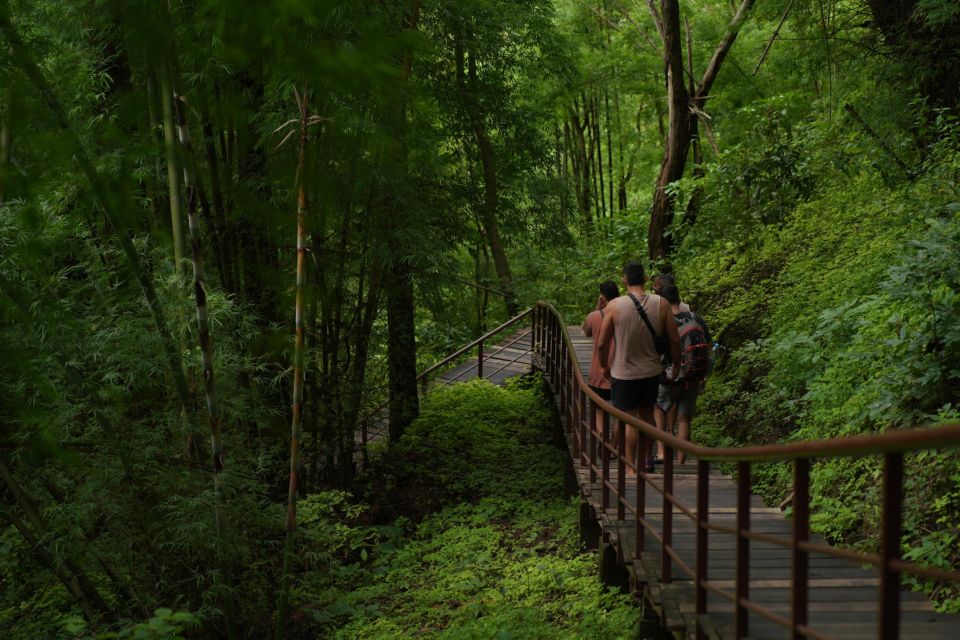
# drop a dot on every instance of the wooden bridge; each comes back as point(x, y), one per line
point(705, 555)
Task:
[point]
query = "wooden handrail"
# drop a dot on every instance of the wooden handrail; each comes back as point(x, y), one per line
point(899, 440)
point(555, 354)
point(423, 376)
point(459, 352)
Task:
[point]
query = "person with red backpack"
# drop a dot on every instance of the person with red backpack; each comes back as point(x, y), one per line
point(677, 396)
point(644, 332)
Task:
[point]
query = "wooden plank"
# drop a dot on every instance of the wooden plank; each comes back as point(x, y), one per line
point(843, 596)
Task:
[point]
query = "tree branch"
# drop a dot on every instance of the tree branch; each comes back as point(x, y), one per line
point(720, 53)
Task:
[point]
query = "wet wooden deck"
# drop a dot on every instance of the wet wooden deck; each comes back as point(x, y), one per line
point(843, 597)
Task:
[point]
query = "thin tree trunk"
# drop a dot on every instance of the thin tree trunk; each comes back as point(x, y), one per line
point(582, 162)
point(622, 182)
point(589, 121)
point(176, 216)
point(173, 174)
point(199, 284)
point(606, 102)
point(693, 205)
point(59, 569)
point(298, 359)
point(32, 513)
point(599, 138)
point(218, 217)
point(6, 147)
point(156, 134)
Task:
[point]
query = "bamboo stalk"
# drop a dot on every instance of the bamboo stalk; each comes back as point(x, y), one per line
point(297, 409)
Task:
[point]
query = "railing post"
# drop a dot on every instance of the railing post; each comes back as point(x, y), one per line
point(890, 547)
point(703, 517)
point(605, 461)
point(743, 549)
point(480, 359)
point(563, 389)
point(666, 561)
point(801, 533)
point(535, 334)
point(621, 467)
point(593, 438)
point(641, 506)
point(585, 426)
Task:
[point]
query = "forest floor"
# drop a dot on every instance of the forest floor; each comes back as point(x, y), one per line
point(481, 540)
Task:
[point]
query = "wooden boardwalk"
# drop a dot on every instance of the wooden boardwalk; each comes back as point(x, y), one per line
point(843, 597)
point(510, 357)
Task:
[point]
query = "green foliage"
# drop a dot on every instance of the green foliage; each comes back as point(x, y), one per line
point(496, 553)
point(165, 624)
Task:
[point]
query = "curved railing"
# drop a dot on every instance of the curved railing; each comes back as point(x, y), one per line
point(423, 379)
point(555, 355)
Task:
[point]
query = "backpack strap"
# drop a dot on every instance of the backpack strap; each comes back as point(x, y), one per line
point(646, 320)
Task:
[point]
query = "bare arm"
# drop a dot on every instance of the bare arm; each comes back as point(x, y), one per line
point(670, 325)
point(606, 336)
point(585, 327)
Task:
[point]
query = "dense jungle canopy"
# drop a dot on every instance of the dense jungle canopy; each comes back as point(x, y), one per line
point(223, 222)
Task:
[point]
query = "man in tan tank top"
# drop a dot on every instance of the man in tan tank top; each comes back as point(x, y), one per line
point(635, 369)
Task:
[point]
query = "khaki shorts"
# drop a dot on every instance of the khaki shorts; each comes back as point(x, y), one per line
point(682, 394)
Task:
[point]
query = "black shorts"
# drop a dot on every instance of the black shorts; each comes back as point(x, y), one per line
point(627, 395)
point(603, 393)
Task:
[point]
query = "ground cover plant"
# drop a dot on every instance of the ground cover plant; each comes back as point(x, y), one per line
point(488, 546)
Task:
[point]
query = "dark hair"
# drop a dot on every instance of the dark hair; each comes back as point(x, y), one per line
point(664, 280)
point(671, 294)
point(609, 290)
point(634, 273)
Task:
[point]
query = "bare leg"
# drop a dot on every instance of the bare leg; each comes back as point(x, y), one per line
point(683, 432)
point(647, 415)
point(631, 444)
point(660, 420)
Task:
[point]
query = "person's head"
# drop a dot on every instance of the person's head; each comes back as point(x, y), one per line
point(663, 280)
point(670, 293)
point(609, 290)
point(633, 274)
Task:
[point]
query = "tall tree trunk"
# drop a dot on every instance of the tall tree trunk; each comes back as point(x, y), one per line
point(678, 132)
point(174, 199)
point(488, 162)
point(401, 352)
point(680, 103)
point(194, 199)
point(401, 341)
point(298, 359)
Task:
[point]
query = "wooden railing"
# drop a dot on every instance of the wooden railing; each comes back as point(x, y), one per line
point(554, 353)
point(423, 379)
